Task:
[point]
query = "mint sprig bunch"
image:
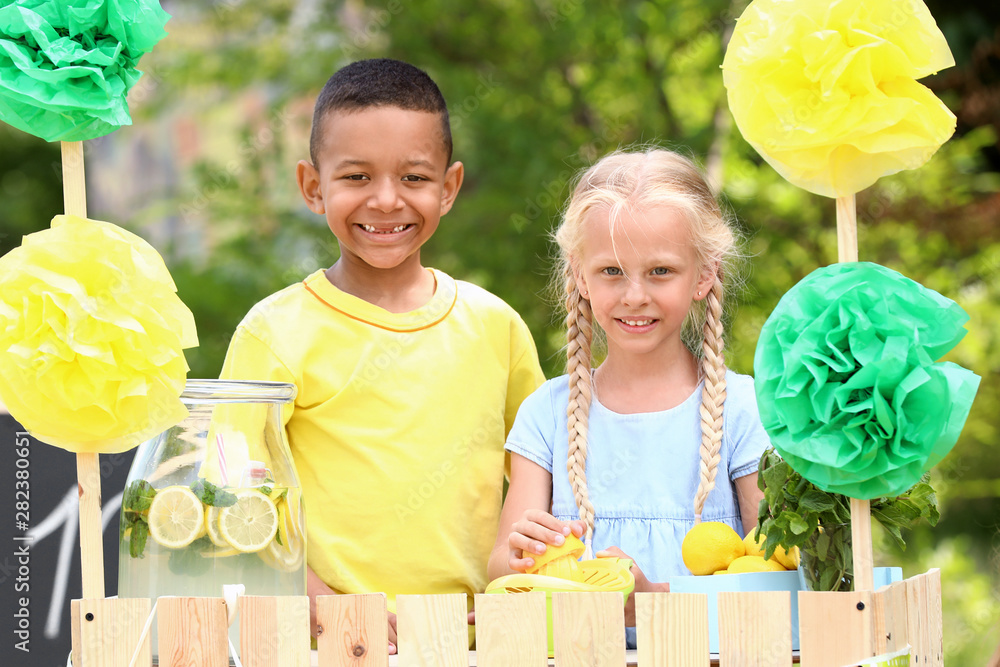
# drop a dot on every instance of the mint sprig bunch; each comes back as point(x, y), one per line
point(796, 513)
point(136, 500)
point(138, 497)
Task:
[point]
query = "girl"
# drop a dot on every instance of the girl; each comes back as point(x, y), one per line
point(648, 448)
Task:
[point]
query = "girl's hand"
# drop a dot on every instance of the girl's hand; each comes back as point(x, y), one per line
point(533, 532)
point(642, 584)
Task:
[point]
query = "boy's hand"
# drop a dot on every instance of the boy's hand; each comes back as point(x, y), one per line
point(392, 633)
point(315, 586)
point(642, 584)
point(532, 534)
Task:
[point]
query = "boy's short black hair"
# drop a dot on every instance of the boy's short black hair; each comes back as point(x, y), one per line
point(379, 82)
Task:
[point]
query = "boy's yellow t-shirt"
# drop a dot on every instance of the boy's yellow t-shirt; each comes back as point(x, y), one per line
point(398, 427)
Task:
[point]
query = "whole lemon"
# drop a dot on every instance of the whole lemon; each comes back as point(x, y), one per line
point(711, 546)
point(754, 547)
point(754, 564)
point(789, 560)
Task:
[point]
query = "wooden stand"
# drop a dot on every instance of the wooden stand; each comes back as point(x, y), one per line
point(754, 629)
point(835, 629)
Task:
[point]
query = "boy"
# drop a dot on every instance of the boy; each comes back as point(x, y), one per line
point(408, 380)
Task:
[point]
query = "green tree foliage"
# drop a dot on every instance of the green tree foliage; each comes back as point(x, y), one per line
point(538, 89)
point(30, 185)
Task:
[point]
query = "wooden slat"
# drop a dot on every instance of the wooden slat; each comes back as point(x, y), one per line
point(106, 632)
point(511, 630)
point(833, 630)
point(672, 629)
point(889, 618)
point(355, 630)
point(433, 630)
point(755, 629)
point(588, 629)
point(935, 622)
point(916, 620)
point(274, 631)
point(192, 631)
point(924, 626)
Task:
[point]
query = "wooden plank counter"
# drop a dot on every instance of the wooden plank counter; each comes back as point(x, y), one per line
point(630, 659)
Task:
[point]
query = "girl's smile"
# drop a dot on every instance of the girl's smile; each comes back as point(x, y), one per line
point(636, 325)
point(641, 275)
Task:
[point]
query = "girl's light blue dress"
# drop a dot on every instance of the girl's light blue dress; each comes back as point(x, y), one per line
point(642, 469)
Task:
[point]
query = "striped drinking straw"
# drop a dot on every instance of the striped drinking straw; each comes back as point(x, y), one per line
point(220, 445)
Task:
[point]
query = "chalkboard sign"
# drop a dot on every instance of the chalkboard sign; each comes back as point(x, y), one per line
point(40, 562)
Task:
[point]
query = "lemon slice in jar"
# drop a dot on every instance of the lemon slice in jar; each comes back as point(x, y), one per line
point(251, 523)
point(176, 517)
point(293, 509)
point(212, 527)
point(286, 552)
point(287, 557)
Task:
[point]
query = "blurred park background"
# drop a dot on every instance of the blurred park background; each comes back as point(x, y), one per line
point(537, 90)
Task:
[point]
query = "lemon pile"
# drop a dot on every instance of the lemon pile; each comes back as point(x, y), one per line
point(265, 524)
point(712, 547)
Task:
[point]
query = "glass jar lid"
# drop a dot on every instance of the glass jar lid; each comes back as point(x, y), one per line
point(237, 391)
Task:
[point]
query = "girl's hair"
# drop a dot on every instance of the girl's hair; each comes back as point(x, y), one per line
point(621, 183)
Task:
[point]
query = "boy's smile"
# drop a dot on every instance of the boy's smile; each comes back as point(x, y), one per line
point(383, 183)
point(395, 230)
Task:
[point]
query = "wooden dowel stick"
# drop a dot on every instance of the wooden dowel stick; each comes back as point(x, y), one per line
point(861, 544)
point(861, 519)
point(88, 468)
point(847, 229)
point(74, 182)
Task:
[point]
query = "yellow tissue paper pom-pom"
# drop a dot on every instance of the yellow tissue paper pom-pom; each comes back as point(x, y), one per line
point(92, 334)
point(826, 91)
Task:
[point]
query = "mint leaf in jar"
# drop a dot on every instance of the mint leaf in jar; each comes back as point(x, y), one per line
point(210, 494)
point(137, 539)
point(136, 499)
point(138, 496)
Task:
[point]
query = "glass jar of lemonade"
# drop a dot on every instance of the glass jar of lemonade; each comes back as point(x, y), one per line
point(215, 500)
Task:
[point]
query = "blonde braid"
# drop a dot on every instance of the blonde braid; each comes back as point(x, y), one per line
point(579, 333)
point(713, 396)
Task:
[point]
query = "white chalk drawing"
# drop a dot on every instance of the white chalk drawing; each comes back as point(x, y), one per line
point(67, 515)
